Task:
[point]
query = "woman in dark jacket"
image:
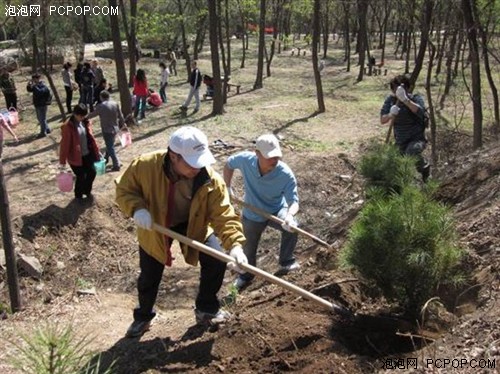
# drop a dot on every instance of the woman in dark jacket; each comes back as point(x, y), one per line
point(79, 148)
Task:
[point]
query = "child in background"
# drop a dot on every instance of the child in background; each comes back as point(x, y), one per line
point(5, 125)
point(141, 92)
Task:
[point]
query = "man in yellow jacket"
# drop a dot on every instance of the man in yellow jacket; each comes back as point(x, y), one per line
point(179, 190)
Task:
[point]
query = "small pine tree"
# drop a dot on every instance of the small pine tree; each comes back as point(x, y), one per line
point(56, 350)
point(385, 170)
point(406, 244)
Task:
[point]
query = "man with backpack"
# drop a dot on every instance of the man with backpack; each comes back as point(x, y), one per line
point(407, 113)
point(42, 97)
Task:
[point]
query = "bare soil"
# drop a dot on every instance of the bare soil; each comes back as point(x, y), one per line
point(93, 246)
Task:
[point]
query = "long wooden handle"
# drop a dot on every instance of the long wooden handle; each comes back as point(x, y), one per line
point(252, 269)
point(263, 213)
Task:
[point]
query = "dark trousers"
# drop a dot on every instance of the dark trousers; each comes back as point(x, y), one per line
point(85, 175)
point(69, 98)
point(10, 100)
point(415, 148)
point(211, 277)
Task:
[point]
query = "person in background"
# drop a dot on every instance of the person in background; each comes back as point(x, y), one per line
point(67, 77)
point(4, 124)
point(41, 99)
point(8, 87)
point(406, 110)
point(164, 81)
point(141, 92)
point(103, 86)
point(78, 78)
point(111, 119)
point(88, 79)
point(154, 99)
point(195, 82)
point(98, 73)
point(179, 190)
point(271, 186)
point(79, 149)
point(172, 59)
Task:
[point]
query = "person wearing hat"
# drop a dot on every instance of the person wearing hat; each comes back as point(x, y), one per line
point(41, 99)
point(270, 185)
point(179, 190)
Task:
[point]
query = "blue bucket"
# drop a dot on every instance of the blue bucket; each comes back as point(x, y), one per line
point(100, 167)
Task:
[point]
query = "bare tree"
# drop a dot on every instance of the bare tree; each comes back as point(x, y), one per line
point(471, 25)
point(262, 41)
point(315, 42)
point(121, 74)
point(218, 103)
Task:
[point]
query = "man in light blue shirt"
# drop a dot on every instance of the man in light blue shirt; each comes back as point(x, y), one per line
point(270, 185)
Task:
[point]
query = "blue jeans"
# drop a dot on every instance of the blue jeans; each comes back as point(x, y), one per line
point(140, 107)
point(163, 94)
point(41, 115)
point(109, 140)
point(211, 278)
point(253, 231)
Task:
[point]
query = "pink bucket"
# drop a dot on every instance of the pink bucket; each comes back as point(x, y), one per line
point(13, 116)
point(126, 138)
point(65, 182)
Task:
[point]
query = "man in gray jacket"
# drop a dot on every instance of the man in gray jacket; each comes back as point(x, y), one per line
point(111, 119)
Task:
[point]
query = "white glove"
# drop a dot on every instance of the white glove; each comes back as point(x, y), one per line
point(289, 223)
point(239, 257)
point(401, 94)
point(142, 219)
point(394, 110)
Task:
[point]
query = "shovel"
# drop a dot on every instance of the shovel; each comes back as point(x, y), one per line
point(269, 216)
point(255, 271)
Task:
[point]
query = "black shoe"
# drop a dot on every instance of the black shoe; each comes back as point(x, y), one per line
point(138, 328)
point(183, 108)
point(41, 135)
point(115, 168)
point(48, 131)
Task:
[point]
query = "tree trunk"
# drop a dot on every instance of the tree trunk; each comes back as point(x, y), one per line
point(121, 74)
point(218, 21)
point(471, 24)
point(487, 69)
point(218, 104)
point(243, 34)
point(362, 32)
point(347, 44)
point(425, 26)
point(8, 246)
point(131, 43)
point(262, 40)
point(184, 39)
point(430, 104)
point(315, 40)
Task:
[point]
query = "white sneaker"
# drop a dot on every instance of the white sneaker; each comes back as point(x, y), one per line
point(240, 283)
point(289, 268)
point(220, 317)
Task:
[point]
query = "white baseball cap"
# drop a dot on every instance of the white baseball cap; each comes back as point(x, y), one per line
point(192, 145)
point(268, 145)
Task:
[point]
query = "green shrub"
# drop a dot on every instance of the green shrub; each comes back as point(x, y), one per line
point(406, 244)
point(56, 350)
point(385, 170)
